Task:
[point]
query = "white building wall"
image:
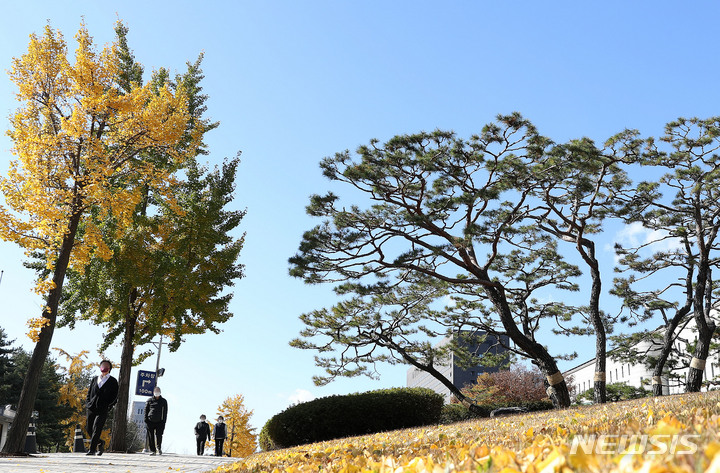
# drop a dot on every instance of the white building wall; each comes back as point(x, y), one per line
point(638, 374)
point(420, 379)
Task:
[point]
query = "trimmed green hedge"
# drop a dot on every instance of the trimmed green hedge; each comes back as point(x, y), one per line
point(334, 417)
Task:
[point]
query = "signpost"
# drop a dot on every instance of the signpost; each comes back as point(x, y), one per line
point(145, 383)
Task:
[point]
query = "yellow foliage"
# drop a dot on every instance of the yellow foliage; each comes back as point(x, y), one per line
point(536, 442)
point(74, 392)
point(241, 440)
point(77, 138)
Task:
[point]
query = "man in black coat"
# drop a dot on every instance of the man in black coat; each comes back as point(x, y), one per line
point(156, 409)
point(202, 434)
point(101, 397)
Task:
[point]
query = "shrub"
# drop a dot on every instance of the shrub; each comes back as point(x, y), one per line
point(264, 440)
point(350, 415)
point(615, 392)
point(518, 384)
point(452, 413)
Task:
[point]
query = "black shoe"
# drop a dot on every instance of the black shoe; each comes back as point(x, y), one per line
point(101, 447)
point(90, 452)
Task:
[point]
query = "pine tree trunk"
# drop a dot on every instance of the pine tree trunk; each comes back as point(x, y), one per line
point(705, 325)
point(599, 391)
point(695, 375)
point(475, 409)
point(15, 442)
point(558, 392)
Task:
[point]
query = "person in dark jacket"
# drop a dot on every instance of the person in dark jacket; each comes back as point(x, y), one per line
point(156, 409)
point(101, 397)
point(202, 434)
point(219, 432)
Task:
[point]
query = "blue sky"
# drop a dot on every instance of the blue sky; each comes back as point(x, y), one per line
point(292, 82)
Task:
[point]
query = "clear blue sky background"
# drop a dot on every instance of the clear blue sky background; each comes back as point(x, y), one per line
point(292, 82)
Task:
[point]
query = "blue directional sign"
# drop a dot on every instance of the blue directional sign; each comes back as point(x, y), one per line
point(145, 383)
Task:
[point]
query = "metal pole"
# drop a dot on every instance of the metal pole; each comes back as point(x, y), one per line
point(157, 365)
point(157, 368)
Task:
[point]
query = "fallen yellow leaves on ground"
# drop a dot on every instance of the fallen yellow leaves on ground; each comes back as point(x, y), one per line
point(653, 435)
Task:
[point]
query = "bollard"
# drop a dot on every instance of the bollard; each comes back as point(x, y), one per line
point(79, 446)
point(30, 439)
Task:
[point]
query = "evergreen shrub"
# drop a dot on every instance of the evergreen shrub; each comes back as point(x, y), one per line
point(350, 415)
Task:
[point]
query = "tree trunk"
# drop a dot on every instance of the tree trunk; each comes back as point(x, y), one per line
point(702, 305)
point(599, 385)
point(119, 426)
point(695, 374)
point(558, 390)
point(15, 442)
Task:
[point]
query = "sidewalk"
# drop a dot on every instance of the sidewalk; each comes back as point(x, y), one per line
point(111, 463)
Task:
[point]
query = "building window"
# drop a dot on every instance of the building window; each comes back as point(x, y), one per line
point(622, 370)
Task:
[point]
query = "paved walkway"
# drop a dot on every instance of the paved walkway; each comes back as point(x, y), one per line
point(111, 463)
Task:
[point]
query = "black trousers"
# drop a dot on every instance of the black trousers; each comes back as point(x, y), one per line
point(200, 446)
point(94, 427)
point(218, 447)
point(154, 431)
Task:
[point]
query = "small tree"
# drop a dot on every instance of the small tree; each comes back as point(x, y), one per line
point(241, 440)
point(616, 392)
point(73, 391)
point(517, 384)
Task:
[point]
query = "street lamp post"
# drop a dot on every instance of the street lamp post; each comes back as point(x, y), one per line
point(158, 372)
point(159, 345)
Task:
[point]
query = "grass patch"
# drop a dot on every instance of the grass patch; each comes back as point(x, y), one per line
point(669, 433)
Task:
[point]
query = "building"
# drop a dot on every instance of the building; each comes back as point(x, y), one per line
point(460, 377)
point(639, 375)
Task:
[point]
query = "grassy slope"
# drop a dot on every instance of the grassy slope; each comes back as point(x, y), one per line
point(536, 442)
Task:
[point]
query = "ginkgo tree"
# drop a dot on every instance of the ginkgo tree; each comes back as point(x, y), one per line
point(78, 140)
point(73, 391)
point(241, 440)
point(176, 257)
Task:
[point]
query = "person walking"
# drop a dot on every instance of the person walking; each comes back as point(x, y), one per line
point(101, 397)
point(219, 433)
point(156, 409)
point(202, 434)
